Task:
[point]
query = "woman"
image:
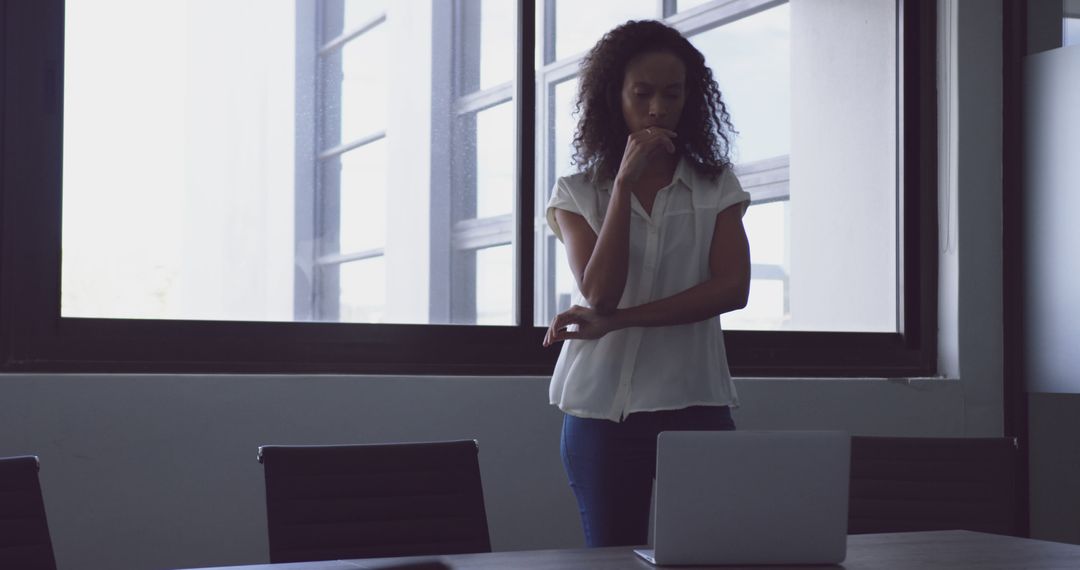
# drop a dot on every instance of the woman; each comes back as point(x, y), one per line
point(652, 227)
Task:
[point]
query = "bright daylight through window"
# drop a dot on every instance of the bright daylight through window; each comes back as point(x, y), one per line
point(354, 160)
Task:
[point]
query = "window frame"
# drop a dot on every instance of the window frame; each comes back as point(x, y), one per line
point(33, 336)
point(318, 195)
point(469, 232)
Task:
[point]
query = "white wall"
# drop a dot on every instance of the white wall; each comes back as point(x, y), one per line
point(147, 472)
point(1054, 443)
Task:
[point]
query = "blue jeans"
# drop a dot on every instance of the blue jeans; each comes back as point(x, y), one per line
point(611, 467)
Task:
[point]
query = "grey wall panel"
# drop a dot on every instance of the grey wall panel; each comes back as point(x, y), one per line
point(1052, 220)
point(147, 472)
point(1055, 466)
point(1044, 25)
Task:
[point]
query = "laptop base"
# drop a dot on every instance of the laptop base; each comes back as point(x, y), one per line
point(648, 554)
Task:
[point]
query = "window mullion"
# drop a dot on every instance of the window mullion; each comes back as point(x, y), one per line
point(306, 181)
point(525, 95)
point(717, 14)
point(327, 191)
point(767, 180)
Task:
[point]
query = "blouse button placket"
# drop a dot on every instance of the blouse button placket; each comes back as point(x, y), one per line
point(645, 291)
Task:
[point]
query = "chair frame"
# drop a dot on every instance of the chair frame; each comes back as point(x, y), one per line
point(26, 543)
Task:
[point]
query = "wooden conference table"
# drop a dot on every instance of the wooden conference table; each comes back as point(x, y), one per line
point(952, 549)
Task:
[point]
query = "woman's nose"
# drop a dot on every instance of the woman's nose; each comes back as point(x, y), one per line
point(656, 108)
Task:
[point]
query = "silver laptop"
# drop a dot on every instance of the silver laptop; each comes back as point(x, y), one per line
point(750, 497)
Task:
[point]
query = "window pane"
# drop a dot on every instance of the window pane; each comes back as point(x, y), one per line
point(751, 62)
point(360, 12)
point(565, 125)
point(495, 286)
point(498, 42)
point(843, 167)
point(362, 215)
point(579, 25)
point(767, 230)
point(555, 283)
point(364, 85)
point(363, 291)
point(178, 176)
point(565, 284)
point(764, 309)
point(495, 156)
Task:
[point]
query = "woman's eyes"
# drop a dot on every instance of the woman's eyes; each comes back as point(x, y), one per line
point(645, 95)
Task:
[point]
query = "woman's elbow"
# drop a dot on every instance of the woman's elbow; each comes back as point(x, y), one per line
point(742, 295)
point(601, 305)
point(735, 295)
point(600, 300)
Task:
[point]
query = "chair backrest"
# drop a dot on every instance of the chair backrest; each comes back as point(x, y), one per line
point(24, 532)
point(359, 501)
point(903, 484)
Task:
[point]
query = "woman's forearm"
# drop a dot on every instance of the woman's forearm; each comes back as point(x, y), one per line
point(703, 301)
point(605, 274)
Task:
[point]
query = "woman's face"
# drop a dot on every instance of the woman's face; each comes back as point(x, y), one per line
point(653, 91)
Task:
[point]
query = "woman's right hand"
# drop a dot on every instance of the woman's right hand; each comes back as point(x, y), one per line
point(640, 146)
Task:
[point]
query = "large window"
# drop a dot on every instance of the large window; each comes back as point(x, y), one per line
point(358, 185)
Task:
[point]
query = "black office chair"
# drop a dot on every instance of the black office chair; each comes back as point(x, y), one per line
point(327, 502)
point(903, 484)
point(24, 532)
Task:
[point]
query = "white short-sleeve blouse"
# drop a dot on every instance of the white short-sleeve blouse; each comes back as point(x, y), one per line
point(650, 368)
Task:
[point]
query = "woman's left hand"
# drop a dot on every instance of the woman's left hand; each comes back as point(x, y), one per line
point(590, 325)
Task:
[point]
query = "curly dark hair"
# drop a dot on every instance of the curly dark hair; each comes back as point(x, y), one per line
point(704, 128)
